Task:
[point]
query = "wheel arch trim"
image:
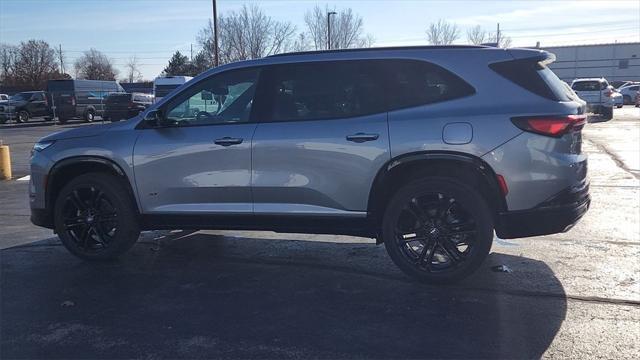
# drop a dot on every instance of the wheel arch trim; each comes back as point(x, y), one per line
point(384, 174)
point(84, 159)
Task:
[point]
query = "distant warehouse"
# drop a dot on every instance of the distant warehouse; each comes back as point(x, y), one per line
point(616, 62)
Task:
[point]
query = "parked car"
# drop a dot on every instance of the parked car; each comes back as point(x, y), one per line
point(407, 145)
point(628, 93)
point(618, 100)
point(598, 95)
point(122, 106)
point(80, 98)
point(23, 106)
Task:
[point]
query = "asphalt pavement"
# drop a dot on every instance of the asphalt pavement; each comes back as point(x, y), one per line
point(240, 294)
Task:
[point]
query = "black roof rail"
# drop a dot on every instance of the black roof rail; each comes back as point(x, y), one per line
point(421, 47)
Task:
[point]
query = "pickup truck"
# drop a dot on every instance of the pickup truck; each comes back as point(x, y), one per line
point(598, 95)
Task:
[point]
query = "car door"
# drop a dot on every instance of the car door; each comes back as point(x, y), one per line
point(322, 140)
point(201, 162)
point(38, 105)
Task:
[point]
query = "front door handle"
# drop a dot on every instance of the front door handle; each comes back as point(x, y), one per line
point(228, 141)
point(362, 137)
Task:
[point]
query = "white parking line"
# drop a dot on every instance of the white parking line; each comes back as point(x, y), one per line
point(24, 178)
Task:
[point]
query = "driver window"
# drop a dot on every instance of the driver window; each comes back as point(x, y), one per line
point(224, 98)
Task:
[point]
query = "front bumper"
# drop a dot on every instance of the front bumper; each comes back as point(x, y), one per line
point(41, 217)
point(558, 214)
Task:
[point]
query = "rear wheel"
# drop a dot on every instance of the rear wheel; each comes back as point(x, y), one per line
point(607, 113)
point(437, 230)
point(95, 217)
point(89, 116)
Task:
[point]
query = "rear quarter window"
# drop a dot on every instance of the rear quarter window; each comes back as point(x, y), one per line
point(415, 83)
point(534, 76)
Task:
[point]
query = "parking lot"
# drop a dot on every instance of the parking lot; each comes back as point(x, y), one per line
point(239, 294)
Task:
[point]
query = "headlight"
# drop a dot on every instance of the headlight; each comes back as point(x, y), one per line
point(39, 146)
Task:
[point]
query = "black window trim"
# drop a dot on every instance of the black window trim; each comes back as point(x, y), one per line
point(267, 76)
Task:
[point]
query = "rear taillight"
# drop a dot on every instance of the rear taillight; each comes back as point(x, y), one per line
point(555, 126)
point(608, 93)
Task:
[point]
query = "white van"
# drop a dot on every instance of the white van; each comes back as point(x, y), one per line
point(163, 85)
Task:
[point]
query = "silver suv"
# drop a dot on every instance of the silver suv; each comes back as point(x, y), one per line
point(410, 146)
point(598, 94)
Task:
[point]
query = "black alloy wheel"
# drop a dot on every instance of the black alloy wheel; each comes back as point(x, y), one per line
point(438, 230)
point(435, 232)
point(90, 218)
point(95, 217)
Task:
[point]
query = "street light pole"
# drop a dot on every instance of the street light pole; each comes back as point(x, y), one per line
point(215, 34)
point(329, 28)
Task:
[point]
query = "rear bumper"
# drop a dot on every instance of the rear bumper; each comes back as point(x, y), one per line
point(558, 214)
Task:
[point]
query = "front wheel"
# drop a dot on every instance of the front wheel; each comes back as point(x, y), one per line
point(95, 217)
point(437, 230)
point(23, 116)
point(607, 113)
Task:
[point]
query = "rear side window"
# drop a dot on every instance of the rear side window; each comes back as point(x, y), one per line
point(535, 77)
point(414, 83)
point(588, 86)
point(325, 90)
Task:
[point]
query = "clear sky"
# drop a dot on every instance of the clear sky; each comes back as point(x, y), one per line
point(154, 29)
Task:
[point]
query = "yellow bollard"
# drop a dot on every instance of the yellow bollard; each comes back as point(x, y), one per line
point(5, 163)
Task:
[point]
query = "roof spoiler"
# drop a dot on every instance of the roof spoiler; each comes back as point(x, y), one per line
point(540, 56)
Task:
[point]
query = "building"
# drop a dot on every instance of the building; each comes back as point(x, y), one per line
point(616, 62)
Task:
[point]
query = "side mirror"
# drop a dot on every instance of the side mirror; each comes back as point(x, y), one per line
point(153, 118)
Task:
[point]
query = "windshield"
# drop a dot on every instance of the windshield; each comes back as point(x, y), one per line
point(588, 86)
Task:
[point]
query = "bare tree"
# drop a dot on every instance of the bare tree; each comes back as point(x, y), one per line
point(8, 58)
point(442, 33)
point(133, 70)
point(476, 35)
point(94, 65)
point(347, 29)
point(34, 64)
point(505, 41)
point(247, 34)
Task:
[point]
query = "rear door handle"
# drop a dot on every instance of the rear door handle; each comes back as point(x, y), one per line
point(362, 137)
point(228, 141)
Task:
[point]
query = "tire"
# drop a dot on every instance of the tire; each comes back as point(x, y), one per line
point(607, 113)
point(23, 116)
point(95, 217)
point(89, 116)
point(626, 100)
point(450, 222)
point(619, 106)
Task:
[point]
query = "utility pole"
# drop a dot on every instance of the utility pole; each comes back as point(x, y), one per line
point(329, 28)
point(191, 56)
point(498, 36)
point(60, 55)
point(215, 34)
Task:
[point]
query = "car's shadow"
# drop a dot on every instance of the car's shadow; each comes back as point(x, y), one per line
point(219, 297)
